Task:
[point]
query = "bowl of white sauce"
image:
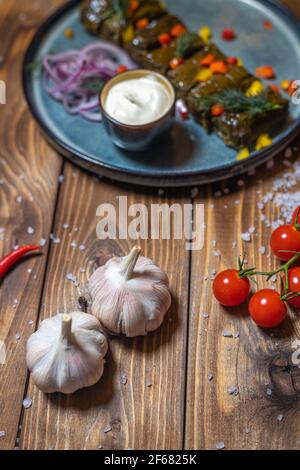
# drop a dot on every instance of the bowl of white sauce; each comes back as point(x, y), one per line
point(138, 107)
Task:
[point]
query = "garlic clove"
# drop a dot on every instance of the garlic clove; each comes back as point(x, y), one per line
point(67, 353)
point(130, 295)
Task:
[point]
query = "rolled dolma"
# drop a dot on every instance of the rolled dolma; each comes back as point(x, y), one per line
point(239, 129)
point(236, 79)
point(148, 38)
point(111, 19)
point(184, 77)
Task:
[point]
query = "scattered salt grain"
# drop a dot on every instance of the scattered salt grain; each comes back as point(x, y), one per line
point(218, 194)
point(214, 243)
point(107, 429)
point(19, 199)
point(220, 445)
point(65, 226)
point(30, 230)
point(280, 418)
point(262, 250)
point(205, 315)
point(234, 244)
point(227, 334)
point(226, 191)
point(247, 430)
point(241, 183)
point(251, 230)
point(27, 402)
point(246, 237)
point(82, 247)
point(210, 377)
point(43, 242)
point(71, 277)
point(123, 379)
point(216, 253)
point(73, 244)
point(2, 434)
point(237, 202)
point(269, 392)
point(18, 336)
point(61, 179)
point(82, 270)
point(31, 322)
point(232, 391)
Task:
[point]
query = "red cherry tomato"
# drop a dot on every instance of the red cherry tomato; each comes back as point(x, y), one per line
point(229, 289)
point(294, 285)
point(267, 309)
point(296, 215)
point(285, 238)
point(228, 34)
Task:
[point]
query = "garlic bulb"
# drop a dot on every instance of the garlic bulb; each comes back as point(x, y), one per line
point(130, 295)
point(67, 353)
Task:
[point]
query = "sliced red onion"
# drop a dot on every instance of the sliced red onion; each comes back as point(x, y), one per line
point(66, 74)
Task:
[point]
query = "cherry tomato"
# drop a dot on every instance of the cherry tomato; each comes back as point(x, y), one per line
point(217, 110)
point(296, 215)
point(267, 309)
point(285, 238)
point(294, 285)
point(229, 289)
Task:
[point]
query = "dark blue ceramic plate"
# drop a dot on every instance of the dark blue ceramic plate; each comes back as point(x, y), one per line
point(189, 156)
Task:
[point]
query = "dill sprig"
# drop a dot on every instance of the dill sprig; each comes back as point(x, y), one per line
point(186, 42)
point(237, 101)
point(121, 8)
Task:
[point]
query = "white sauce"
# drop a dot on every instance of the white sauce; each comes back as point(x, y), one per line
point(138, 101)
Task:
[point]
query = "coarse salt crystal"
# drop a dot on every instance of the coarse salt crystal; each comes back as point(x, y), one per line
point(27, 402)
point(246, 237)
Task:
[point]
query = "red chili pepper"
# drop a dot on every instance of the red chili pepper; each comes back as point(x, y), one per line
point(232, 60)
point(265, 71)
point(228, 34)
point(219, 67)
point(274, 88)
point(178, 30)
point(217, 110)
point(165, 39)
point(12, 258)
point(122, 68)
point(268, 25)
point(207, 60)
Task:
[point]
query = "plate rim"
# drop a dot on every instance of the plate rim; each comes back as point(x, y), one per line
point(141, 177)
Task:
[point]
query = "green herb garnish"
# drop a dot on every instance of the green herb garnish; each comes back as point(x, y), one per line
point(121, 8)
point(93, 84)
point(236, 101)
point(186, 44)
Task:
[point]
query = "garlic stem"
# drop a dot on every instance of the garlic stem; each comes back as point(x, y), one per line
point(129, 262)
point(66, 328)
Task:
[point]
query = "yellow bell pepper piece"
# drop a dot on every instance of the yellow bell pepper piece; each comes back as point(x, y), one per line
point(244, 153)
point(69, 33)
point(256, 88)
point(285, 84)
point(205, 34)
point(263, 141)
point(240, 62)
point(128, 34)
point(204, 75)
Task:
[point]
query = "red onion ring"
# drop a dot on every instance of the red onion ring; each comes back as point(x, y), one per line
point(66, 75)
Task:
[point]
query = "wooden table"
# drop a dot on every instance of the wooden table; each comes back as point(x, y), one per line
point(168, 401)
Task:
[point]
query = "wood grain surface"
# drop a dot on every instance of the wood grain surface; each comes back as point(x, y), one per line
point(178, 380)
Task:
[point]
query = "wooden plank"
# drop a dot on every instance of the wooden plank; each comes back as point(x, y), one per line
point(256, 359)
point(148, 411)
point(28, 177)
point(254, 362)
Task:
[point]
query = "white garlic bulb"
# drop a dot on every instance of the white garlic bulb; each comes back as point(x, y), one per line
point(130, 295)
point(67, 353)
